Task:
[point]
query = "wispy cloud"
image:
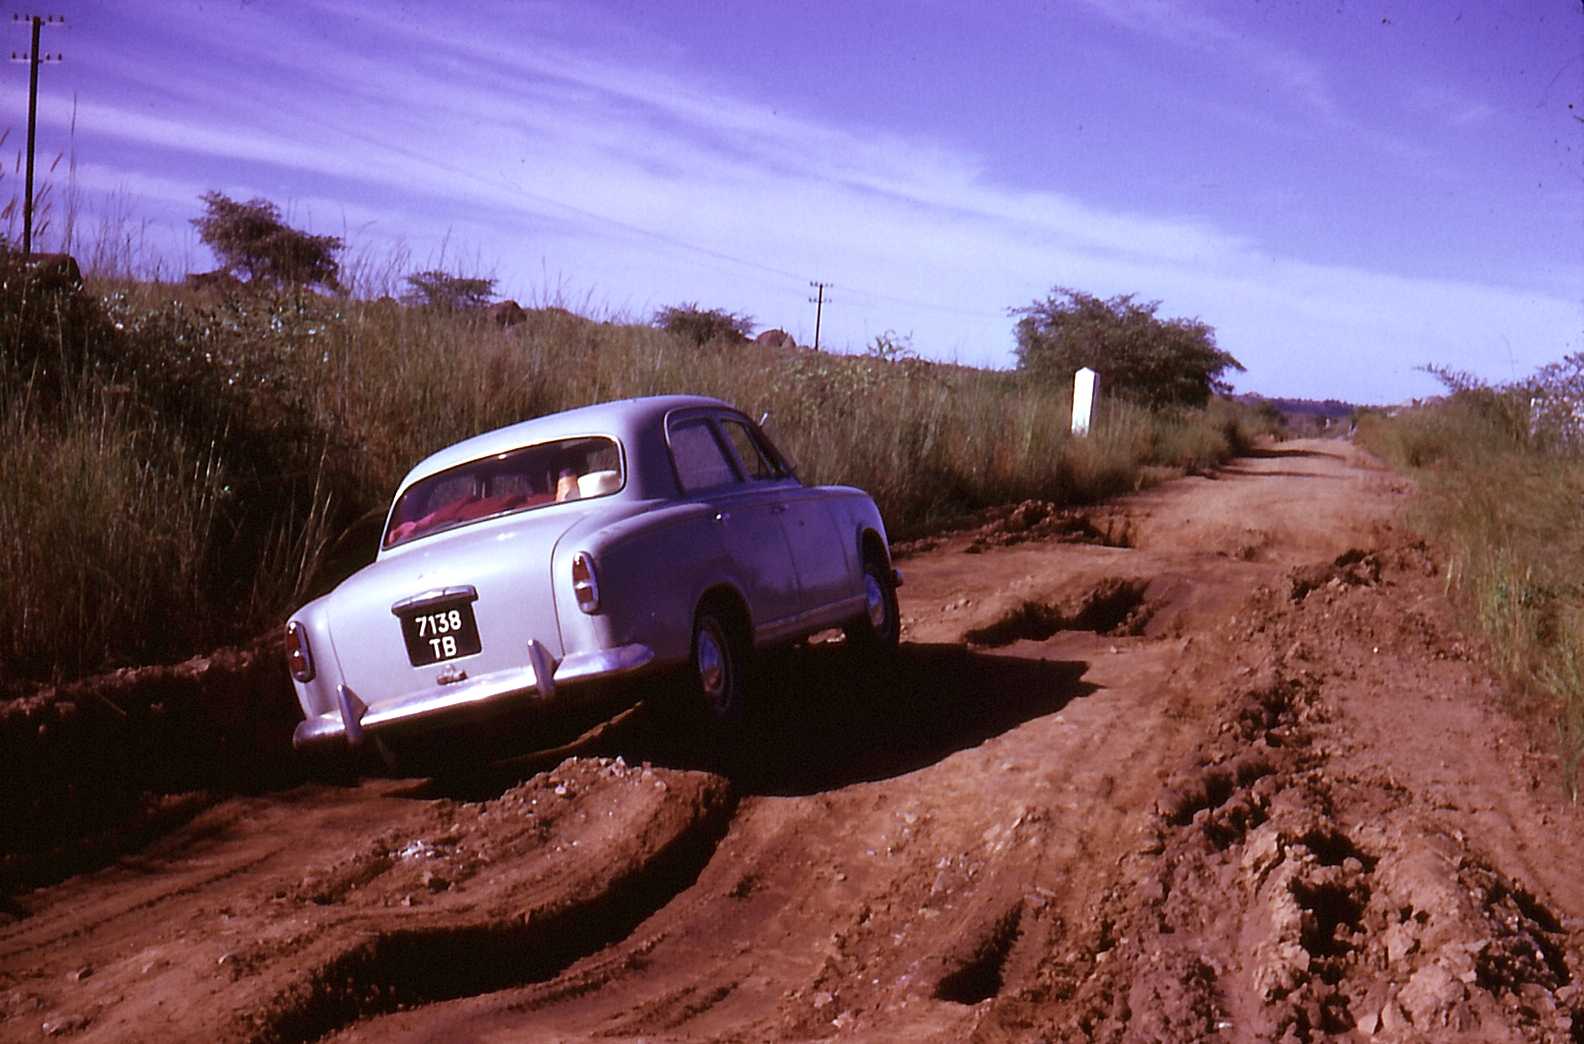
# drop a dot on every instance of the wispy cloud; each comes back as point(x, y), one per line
point(663, 185)
point(1299, 76)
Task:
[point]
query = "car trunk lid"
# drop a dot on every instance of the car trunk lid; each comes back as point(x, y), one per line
point(496, 574)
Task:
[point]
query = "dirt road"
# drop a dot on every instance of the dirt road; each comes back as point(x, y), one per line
point(1210, 764)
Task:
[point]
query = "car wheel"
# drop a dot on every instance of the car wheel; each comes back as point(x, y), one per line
point(879, 628)
point(718, 668)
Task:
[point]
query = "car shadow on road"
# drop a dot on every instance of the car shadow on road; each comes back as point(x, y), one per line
point(821, 717)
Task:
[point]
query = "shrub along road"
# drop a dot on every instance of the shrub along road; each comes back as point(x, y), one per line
point(1214, 765)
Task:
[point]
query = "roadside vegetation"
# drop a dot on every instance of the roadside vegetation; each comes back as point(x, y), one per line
point(1500, 472)
point(181, 465)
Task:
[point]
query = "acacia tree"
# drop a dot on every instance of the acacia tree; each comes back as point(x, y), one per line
point(703, 325)
point(251, 239)
point(444, 292)
point(1153, 361)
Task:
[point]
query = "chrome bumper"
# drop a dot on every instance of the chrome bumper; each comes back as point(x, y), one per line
point(538, 684)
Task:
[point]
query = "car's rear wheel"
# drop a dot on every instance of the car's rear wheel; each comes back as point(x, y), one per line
point(880, 627)
point(719, 668)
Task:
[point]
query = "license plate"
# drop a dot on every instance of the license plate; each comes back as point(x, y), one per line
point(441, 632)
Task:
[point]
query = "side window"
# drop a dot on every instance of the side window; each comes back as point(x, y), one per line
point(749, 452)
point(701, 461)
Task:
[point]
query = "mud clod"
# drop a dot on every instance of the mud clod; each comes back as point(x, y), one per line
point(1352, 568)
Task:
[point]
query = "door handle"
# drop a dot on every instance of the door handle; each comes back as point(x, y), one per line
point(722, 516)
point(778, 509)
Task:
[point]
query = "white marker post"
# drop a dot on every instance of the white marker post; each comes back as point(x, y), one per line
point(1086, 389)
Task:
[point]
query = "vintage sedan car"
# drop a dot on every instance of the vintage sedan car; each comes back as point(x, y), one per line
point(522, 568)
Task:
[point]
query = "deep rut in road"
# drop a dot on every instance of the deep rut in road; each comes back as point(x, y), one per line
point(403, 967)
point(522, 933)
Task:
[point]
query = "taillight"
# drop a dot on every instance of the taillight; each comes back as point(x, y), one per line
point(585, 583)
point(298, 656)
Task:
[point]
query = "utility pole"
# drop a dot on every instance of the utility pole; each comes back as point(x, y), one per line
point(819, 308)
point(34, 58)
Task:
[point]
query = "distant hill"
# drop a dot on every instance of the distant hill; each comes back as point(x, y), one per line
point(1305, 416)
point(1303, 407)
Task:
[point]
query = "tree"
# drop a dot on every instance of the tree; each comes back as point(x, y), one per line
point(251, 239)
point(1156, 362)
point(445, 292)
point(703, 325)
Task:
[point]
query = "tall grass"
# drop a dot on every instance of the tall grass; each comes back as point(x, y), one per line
point(105, 520)
point(179, 470)
point(1501, 496)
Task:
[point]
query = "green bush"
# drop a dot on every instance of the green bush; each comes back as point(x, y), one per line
point(1157, 362)
point(702, 326)
point(445, 292)
point(251, 239)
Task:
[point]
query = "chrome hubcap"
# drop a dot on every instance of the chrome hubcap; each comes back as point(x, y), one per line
point(877, 601)
point(712, 666)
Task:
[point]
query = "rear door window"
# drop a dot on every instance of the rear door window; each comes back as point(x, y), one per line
point(758, 463)
point(702, 463)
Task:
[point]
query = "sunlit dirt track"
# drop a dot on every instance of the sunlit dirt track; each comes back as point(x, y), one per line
point(1213, 766)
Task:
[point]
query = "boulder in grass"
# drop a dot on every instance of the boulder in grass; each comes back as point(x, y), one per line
point(507, 313)
point(219, 281)
point(56, 273)
point(776, 338)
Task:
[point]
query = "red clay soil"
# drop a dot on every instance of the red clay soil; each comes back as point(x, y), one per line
point(1239, 780)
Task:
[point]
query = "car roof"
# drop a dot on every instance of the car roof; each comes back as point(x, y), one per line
point(625, 419)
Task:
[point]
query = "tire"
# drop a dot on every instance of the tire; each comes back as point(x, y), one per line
point(879, 629)
point(718, 670)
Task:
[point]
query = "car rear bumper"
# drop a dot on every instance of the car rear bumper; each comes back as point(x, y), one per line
point(541, 684)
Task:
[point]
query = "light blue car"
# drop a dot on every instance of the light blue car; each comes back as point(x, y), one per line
point(521, 567)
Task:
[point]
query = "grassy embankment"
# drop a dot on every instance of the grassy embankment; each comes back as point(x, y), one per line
point(176, 471)
point(1499, 494)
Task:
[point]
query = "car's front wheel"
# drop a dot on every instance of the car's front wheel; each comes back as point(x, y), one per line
point(880, 627)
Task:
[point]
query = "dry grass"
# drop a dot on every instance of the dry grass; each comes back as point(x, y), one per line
point(1503, 504)
point(176, 468)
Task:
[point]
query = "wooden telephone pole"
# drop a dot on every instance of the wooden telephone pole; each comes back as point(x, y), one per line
point(819, 308)
point(34, 58)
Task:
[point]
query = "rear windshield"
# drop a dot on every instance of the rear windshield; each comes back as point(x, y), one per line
point(549, 473)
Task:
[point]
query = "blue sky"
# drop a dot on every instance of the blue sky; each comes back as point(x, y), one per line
point(1343, 190)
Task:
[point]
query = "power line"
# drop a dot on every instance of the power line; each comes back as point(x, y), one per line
point(34, 58)
point(971, 313)
point(681, 244)
point(650, 234)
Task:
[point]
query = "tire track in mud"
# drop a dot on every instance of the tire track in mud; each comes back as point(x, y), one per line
point(31, 938)
point(537, 921)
